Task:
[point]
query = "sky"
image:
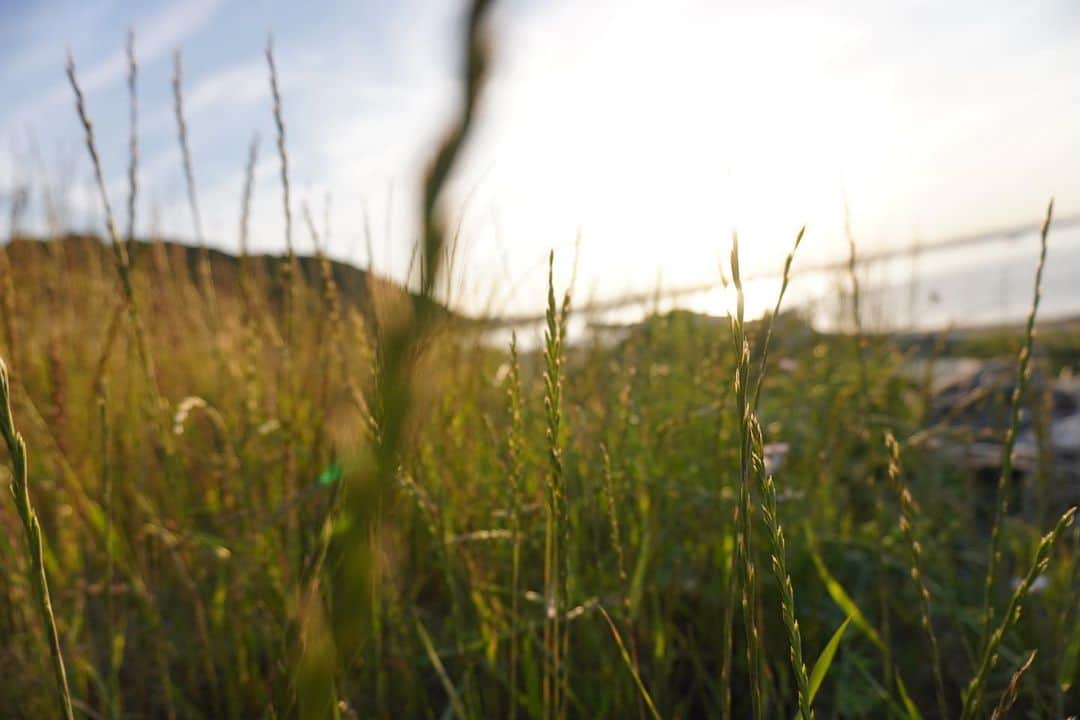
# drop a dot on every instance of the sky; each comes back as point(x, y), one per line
point(631, 137)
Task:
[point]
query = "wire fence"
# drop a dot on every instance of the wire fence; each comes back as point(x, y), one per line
point(917, 249)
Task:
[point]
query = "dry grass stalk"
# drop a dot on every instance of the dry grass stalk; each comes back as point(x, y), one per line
point(203, 270)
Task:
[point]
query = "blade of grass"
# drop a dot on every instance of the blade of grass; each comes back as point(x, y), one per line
point(905, 698)
point(630, 665)
point(448, 684)
point(825, 659)
point(1069, 664)
point(837, 592)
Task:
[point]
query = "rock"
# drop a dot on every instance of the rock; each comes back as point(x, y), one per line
point(969, 416)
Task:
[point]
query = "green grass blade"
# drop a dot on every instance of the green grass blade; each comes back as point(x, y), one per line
point(448, 684)
point(630, 665)
point(824, 661)
point(839, 595)
point(1067, 673)
point(909, 704)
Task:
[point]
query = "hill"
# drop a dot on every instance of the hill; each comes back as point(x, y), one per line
point(163, 262)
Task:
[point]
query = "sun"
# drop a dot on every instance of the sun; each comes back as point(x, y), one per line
point(661, 136)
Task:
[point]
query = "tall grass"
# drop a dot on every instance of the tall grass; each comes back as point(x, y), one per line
point(515, 446)
point(206, 282)
point(907, 512)
point(361, 508)
point(557, 529)
point(20, 491)
point(769, 506)
point(748, 578)
point(973, 693)
point(133, 145)
point(1005, 478)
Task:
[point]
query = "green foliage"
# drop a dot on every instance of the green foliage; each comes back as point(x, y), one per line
point(824, 661)
point(204, 591)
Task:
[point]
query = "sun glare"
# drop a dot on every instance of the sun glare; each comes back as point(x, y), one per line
point(663, 135)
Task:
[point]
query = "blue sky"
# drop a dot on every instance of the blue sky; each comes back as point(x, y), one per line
point(651, 127)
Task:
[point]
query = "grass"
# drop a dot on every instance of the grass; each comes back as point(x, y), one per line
point(20, 491)
point(906, 510)
point(289, 498)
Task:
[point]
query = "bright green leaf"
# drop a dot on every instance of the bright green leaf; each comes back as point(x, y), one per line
point(821, 667)
point(909, 704)
point(839, 595)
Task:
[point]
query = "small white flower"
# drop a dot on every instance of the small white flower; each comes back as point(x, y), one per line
point(183, 410)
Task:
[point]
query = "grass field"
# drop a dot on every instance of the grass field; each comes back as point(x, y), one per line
point(256, 491)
